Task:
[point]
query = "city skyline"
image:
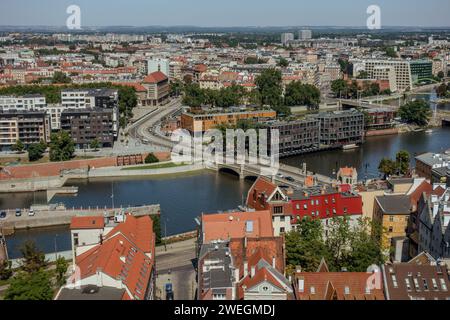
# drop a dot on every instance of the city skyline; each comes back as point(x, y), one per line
point(202, 13)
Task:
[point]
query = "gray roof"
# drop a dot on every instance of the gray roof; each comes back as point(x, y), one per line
point(394, 204)
point(432, 159)
point(220, 276)
point(91, 292)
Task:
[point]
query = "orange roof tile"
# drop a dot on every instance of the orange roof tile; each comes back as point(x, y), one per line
point(155, 77)
point(96, 222)
point(235, 225)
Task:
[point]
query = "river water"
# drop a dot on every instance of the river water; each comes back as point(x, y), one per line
point(184, 197)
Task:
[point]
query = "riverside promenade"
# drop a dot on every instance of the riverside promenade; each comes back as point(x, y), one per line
point(48, 216)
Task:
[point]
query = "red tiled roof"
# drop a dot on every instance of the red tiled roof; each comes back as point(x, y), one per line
point(126, 254)
point(87, 223)
point(233, 225)
point(323, 282)
point(155, 77)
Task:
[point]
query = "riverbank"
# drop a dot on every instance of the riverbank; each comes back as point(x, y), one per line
point(51, 216)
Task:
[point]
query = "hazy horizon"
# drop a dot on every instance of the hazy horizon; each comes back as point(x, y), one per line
point(229, 14)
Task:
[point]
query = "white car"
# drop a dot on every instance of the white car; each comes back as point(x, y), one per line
point(31, 213)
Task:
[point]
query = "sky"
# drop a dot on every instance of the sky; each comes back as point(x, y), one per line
point(225, 13)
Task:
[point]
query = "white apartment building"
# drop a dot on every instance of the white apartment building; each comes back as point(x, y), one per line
point(156, 64)
point(305, 34)
point(386, 73)
point(24, 103)
point(401, 68)
point(77, 99)
point(286, 37)
point(55, 111)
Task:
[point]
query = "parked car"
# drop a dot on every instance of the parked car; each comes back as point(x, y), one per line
point(18, 212)
point(169, 291)
point(290, 179)
point(2, 214)
point(31, 213)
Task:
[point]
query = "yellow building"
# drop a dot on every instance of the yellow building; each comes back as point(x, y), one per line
point(393, 212)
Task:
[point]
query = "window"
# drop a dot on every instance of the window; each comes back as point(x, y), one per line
point(435, 287)
point(408, 284)
point(443, 285)
point(394, 281)
point(282, 230)
point(391, 229)
point(416, 284)
point(297, 206)
point(278, 209)
point(282, 218)
point(75, 239)
point(346, 290)
point(425, 285)
point(312, 290)
point(391, 218)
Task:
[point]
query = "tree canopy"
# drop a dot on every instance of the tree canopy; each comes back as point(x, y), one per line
point(416, 112)
point(62, 146)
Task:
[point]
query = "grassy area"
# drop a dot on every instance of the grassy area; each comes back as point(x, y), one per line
point(156, 166)
point(22, 159)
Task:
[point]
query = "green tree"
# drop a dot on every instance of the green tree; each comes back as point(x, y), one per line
point(95, 144)
point(269, 85)
point(339, 87)
point(61, 269)
point(36, 150)
point(338, 242)
point(30, 286)
point(157, 227)
point(390, 52)
point(387, 167)
point(283, 63)
point(441, 75)
point(302, 94)
point(60, 77)
point(62, 147)
point(305, 246)
point(33, 258)
point(415, 112)
point(402, 161)
point(151, 158)
point(5, 270)
point(18, 146)
point(365, 249)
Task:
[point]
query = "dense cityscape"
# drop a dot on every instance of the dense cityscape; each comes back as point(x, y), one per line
point(95, 206)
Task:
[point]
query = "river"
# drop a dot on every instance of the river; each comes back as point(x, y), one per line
point(184, 197)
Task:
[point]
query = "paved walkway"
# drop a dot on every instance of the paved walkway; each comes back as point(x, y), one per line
point(176, 266)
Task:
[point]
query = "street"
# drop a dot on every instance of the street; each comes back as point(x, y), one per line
point(176, 266)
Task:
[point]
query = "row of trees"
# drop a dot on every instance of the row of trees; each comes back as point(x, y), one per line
point(351, 90)
point(354, 248)
point(33, 280)
point(269, 91)
point(62, 147)
point(399, 166)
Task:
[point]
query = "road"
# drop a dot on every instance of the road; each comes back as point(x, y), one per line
point(143, 131)
point(176, 265)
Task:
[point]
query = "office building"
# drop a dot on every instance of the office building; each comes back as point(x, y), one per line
point(421, 70)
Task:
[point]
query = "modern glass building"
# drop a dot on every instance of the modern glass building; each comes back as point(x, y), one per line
point(421, 70)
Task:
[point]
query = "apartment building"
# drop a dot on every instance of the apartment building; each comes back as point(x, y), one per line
point(27, 126)
point(286, 38)
point(341, 128)
point(297, 137)
point(89, 98)
point(23, 103)
point(87, 125)
point(434, 221)
point(203, 121)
